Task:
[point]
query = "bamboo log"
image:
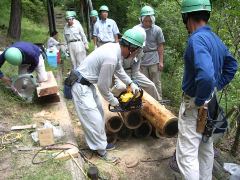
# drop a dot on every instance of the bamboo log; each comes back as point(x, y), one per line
point(155, 133)
point(124, 133)
point(132, 119)
point(144, 130)
point(160, 117)
point(113, 121)
point(111, 138)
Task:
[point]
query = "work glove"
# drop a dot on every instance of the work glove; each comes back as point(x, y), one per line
point(114, 102)
point(134, 87)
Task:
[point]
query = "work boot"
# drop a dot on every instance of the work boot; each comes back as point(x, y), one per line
point(108, 158)
point(110, 147)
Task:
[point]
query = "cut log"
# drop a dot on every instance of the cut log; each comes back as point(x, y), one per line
point(160, 117)
point(124, 133)
point(48, 87)
point(144, 130)
point(111, 138)
point(132, 119)
point(113, 122)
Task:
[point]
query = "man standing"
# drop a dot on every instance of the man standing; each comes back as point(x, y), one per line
point(98, 68)
point(94, 18)
point(152, 61)
point(28, 57)
point(208, 65)
point(76, 40)
point(105, 30)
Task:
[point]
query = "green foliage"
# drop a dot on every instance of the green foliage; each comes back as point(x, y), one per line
point(34, 10)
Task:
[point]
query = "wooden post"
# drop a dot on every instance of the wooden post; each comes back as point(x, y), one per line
point(160, 117)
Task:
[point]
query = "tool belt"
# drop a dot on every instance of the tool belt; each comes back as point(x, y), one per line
point(212, 119)
point(75, 76)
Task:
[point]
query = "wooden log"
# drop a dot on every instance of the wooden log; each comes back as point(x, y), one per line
point(144, 130)
point(124, 133)
point(113, 122)
point(111, 137)
point(155, 133)
point(132, 119)
point(48, 87)
point(160, 117)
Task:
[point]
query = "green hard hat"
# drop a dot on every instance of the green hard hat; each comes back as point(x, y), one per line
point(70, 14)
point(103, 8)
point(135, 37)
point(147, 11)
point(13, 56)
point(93, 13)
point(195, 5)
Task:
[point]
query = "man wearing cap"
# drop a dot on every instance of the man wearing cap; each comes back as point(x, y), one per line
point(94, 18)
point(208, 65)
point(98, 68)
point(76, 40)
point(152, 61)
point(27, 57)
point(132, 68)
point(105, 30)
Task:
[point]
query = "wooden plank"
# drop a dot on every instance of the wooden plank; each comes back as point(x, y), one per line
point(45, 136)
point(29, 126)
point(48, 87)
point(65, 155)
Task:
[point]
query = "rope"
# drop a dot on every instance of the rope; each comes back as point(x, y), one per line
point(9, 139)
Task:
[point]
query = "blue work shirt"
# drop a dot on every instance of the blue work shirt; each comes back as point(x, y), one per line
point(30, 54)
point(208, 64)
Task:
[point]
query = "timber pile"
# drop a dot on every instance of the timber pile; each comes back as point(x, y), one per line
point(153, 119)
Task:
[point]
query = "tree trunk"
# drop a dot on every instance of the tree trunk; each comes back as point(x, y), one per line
point(14, 29)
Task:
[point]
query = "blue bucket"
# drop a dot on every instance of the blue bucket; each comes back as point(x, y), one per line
point(52, 58)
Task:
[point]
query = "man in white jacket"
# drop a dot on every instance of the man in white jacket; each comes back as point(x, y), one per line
point(98, 68)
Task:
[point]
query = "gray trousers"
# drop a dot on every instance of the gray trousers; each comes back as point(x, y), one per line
point(194, 157)
point(77, 53)
point(90, 113)
point(152, 73)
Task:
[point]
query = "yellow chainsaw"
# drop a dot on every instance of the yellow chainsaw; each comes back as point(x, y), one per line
point(128, 102)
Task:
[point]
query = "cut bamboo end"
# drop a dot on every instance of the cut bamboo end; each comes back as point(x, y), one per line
point(171, 128)
point(132, 119)
point(124, 133)
point(144, 130)
point(114, 124)
point(111, 138)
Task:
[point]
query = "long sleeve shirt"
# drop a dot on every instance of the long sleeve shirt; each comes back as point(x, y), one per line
point(100, 66)
point(30, 54)
point(208, 64)
point(74, 32)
